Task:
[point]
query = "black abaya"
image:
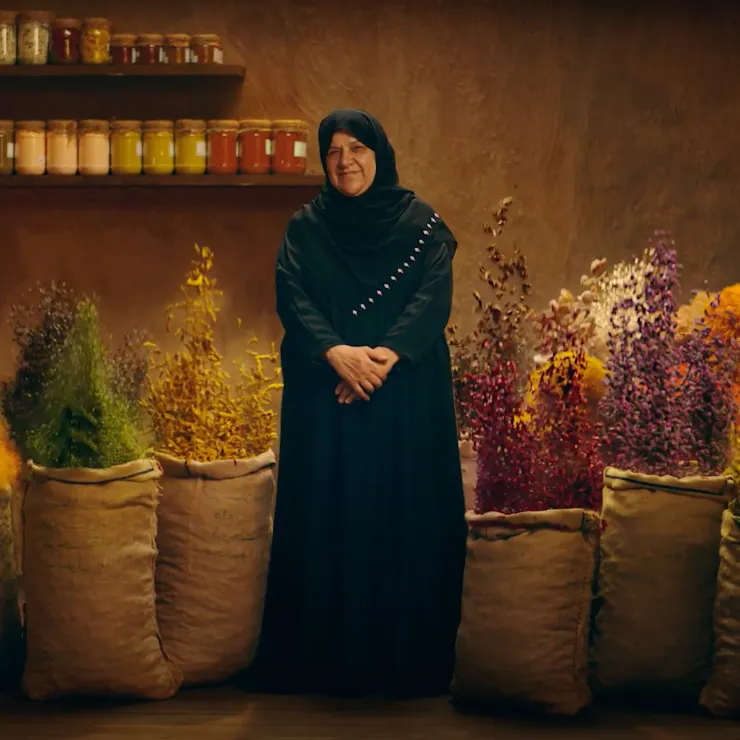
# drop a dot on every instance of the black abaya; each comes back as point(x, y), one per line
point(369, 535)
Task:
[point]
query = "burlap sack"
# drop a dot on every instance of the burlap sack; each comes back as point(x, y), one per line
point(721, 696)
point(523, 637)
point(469, 464)
point(87, 583)
point(214, 537)
point(657, 581)
point(10, 635)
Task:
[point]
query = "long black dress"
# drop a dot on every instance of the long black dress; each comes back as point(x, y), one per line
point(368, 550)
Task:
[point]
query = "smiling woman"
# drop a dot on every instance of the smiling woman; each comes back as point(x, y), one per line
point(369, 541)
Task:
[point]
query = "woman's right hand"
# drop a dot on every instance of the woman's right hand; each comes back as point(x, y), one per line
point(356, 367)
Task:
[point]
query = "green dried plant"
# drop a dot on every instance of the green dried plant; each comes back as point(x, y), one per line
point(84, 420)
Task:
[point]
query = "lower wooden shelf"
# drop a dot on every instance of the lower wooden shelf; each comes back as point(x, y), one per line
point(161, 181)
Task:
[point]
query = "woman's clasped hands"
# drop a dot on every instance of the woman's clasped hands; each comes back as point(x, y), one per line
point(362, 370)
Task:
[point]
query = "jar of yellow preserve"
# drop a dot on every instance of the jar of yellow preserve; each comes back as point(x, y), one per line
point(95, 41)
point(94, 147)
point(125, 148)
point(190, 147)
point(159, 148)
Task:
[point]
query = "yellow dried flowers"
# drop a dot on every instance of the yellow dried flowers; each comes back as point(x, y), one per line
point(197, 411)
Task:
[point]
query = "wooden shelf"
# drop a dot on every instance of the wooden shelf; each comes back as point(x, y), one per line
point(161, 181)
point(127, 70)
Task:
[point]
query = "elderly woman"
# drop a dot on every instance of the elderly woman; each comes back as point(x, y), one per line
point(365, 577)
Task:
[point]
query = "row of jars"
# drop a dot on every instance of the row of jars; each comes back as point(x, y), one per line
point(185, 147)
point(37, 37)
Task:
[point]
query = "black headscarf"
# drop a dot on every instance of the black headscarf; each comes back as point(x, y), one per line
point(365, 222)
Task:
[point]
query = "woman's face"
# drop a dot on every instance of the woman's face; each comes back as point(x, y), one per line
point(350, 164)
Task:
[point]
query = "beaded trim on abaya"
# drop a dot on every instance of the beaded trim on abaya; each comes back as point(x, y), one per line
point(385, 287)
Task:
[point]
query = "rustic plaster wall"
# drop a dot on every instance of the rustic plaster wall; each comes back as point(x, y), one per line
point(604, 121)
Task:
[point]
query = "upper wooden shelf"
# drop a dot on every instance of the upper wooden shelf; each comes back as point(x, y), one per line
point(233, 71)
point(161, 181)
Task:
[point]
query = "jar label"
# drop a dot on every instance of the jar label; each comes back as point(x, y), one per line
point(162, 56)
point(194, 58)
point(268, 147)
point(218, 56)
point(172, 149)
point(10, 150)
point(238, 149)
point(139, 149)
point(134, 55)
point(299, 149)
point(200, 148)
point(187, 56)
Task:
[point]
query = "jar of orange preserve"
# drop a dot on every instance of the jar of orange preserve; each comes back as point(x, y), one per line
point(255, 146)
point(289, 147)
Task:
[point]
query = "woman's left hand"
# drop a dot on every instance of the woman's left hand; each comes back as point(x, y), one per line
point(345, 395)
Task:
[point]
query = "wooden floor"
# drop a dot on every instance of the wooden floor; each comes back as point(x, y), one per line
point(229, 714)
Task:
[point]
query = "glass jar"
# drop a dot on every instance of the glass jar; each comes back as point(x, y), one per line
point(33, 36)
point(6, 147)
point(61, 147)
point(176, 49)
point(122, 48)
point(94, 147)
point(190, 147)
point(149, 48)
point(159, 148)
point(8, 46)
point(30, 147)
point(289, 147)
point(64, 47)
point(205, 48)
point(95, 42)
point(222, 147)
point(255, 146)
point(125, 148)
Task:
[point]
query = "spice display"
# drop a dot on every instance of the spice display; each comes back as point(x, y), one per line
point(255, 146)
point(65, 41)
point(30, 147)
point(95, 42)
point(34, 30)
point(222, 147)
point(123, 48)
point(61, 148)
point(8, 45)
point(126, 148)
point(197, 413)
point(190, 147)
point(159, 148)
point(176, 49)
point(289, 147)
point(94, 147)
point(7, 147)
point(149, 48)
point(205, 48)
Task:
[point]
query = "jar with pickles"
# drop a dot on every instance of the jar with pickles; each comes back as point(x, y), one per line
point(159, 148)
point(190, 147)
point(65, 41)
point(95, 41)
point(7, 149)
point(125, 148)
point(94, 147)
point(61, 147)
point(34, 31)
point(290, 139)
point(149, 48)
point(30, 147)
point(8, 45)
point(123, 48)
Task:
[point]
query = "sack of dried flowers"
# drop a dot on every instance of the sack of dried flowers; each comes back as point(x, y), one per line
point(657, 582)
point(214, 547)
point(523, 636)
point(721, 695)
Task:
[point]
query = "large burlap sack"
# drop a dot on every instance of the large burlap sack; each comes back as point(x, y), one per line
point(87, 583)
point(721, 696)
point(215, 525)
point(523, 636)
point(657, 581)
point(10, 632)
point(469, 465)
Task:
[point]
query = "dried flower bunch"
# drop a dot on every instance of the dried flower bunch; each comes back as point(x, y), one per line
point(669, 406)
point(500, 335)
point(196, 411)
point(83, 422)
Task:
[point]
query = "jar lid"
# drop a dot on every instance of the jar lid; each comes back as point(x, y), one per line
point(95, 124)
point(149, 38)
point(8, 16)
point(158, 125)
point(289, 124)
point(40, 16)
point(190, 123)
point(206, 38)
point(68, 23)
point(123, 39)
point(59, 124)
point(31, 125)
point(177, 38)
point(96, 23)
point(125, 125)
point(6, 125)
point(258, 123)
point(223, 124)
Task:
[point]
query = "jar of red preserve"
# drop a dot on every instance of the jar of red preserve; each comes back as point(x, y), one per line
point(64, 46)
point(222, 147)
point(255, 146)
point(289, 147)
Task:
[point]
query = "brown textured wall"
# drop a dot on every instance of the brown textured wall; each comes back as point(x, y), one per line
point(603, 123)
